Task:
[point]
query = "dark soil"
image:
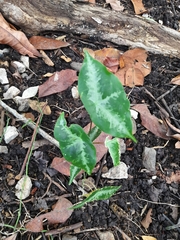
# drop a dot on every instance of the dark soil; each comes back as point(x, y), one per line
point(137, 193)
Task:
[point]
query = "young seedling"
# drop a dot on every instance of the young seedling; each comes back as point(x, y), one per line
point(105, 100)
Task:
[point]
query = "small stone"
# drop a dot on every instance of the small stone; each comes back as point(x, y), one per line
point(10, 133)
point(105, 235)
point(11, 92)
point(69, 237)
point(20, 66)
point(3, 78)
point(23, 104)
point(117, 172)
point(74, 92)
point(149, 159)
point(25, 61)
point(3, 149)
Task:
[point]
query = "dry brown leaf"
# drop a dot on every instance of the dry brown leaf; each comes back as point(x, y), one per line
point(112, 64)
point(66, 59)
point(16, 39)
point(138, 6)
point(40, 106)
point(102, 54)
point(116, 5)
point(59, 82)
point(177, 145)
point(175, 177)
point(62, 166)
point(176, 80)
point(151, 122)
point(46, 59)
point(147, 220)
point(148, 238)
point(172, 131)
point(134, 77)
point(138, 54)
point(43, 43)
point(59, 214)
point(29, 116)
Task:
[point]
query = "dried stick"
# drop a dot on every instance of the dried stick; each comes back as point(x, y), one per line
point(30, 147)
point(30, 124)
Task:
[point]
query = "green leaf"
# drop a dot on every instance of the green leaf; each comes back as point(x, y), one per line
point(94, 133)
point(75, 145)
point(104, 99)
point(114, 149)
point(73, 173)
point(98, 194)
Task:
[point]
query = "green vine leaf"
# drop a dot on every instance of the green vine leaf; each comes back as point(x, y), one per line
point(104, 99)
point(98, 194)
point(75, 145)
point(73, 173)
point(114, 150)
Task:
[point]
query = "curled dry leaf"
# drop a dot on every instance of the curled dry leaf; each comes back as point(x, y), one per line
point(59, 214)
point(175, 177)
point(59, 82)
point(43, 43)
point(176, 80)
point(16, 39)
point(40, 106)
point(147, 220)
point(150, 121)
point(138, 6)
point(148, 238)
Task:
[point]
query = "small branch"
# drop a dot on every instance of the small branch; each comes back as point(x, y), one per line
point(28, 123)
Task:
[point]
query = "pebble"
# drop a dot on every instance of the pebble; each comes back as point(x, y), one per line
point(11, 92)
point(3, 149)
point(149, 159)
point(3, 78)
point(74, 92)
point(25, 61)
point(117, 172)
point(10, 133)
point(105, 235)
point(23, 104)
point(69, 237)
point(20, 66)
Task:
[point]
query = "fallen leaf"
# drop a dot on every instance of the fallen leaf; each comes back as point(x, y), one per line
point(59, 214)
point(111, 63)
point(16, 39)
point(172, 131)
point(30, 92)
point(12, 237)
point(40, 106)
point(59, 82)
point(175, 177)
point(66, 59)
point(147, 220)
point(46, 59)
point(176, 80)
point(102, 54)
point(138, 6)
point(133, 67)
point(148, 238)
point(177, 145)
point(134, 77)
point(116, 5)
point(29, 116)
point(44, 43)
point(150, 121)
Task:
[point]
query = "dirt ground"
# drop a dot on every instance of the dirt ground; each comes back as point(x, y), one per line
point(141, 191)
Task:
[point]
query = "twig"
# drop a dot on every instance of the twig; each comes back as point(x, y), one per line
point(164, 94)
point(100, 170)
point(64, 229)
point(28, 123)
point(125, 236)
point(159, 203)
point(50, 182)
point(30, 147)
